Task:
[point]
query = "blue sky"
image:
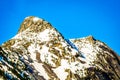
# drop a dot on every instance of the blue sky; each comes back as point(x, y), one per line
point(73, 18)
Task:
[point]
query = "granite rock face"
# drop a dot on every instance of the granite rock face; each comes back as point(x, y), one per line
point(39, 52)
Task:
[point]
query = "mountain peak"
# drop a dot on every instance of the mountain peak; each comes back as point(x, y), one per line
point(39, 52)
point(34, 23)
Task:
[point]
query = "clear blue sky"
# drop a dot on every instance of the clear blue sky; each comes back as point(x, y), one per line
point(73, 18)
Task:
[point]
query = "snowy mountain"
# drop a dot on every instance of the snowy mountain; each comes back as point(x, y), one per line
point(39, 52)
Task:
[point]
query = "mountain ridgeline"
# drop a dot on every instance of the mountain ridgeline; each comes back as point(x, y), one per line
point(40, 52)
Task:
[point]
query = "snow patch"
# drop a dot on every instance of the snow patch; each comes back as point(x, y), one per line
point(44, 36)
point(74, 51)
point(41, 70)
point(31, 50)
point(64, 63)
point(60, 71)
point(63, 44)
point(47, 56)
point(35, 19)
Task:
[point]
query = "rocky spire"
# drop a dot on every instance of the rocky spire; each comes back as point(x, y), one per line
point(35, 24)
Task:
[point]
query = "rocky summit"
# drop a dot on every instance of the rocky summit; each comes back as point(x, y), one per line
point(39, 52)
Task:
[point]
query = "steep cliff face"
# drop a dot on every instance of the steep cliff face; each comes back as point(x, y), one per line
point(40, 52)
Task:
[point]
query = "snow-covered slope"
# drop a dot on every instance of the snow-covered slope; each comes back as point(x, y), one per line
point(40, 52)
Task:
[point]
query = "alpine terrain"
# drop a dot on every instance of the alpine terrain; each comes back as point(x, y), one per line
point(39, 52)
